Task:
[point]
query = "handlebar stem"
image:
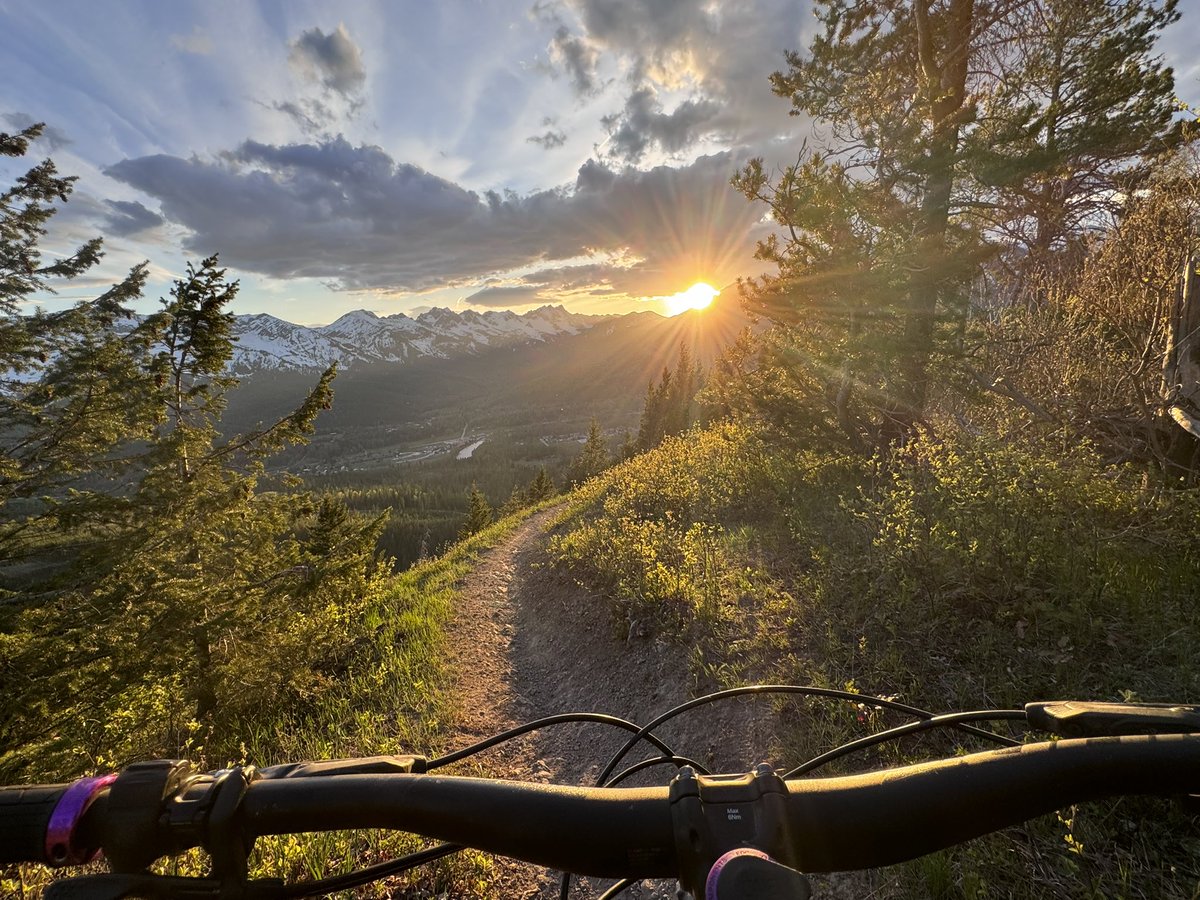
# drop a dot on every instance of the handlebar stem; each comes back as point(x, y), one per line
point(714, 814)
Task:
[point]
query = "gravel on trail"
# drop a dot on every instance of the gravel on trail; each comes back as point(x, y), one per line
point(527, 641)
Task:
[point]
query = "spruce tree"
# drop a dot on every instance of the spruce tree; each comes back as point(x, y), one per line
point(667, 408)
point(156, 576)
point(593, 459)
point(479, 513)
point(71, 386)
point(516, 501)
point(541, 488)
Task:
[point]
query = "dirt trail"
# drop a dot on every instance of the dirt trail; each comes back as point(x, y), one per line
point(528, 642)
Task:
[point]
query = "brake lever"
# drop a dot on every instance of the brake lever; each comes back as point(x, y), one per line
point(1074, 718)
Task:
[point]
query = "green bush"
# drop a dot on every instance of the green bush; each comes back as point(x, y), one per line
point(652, 532)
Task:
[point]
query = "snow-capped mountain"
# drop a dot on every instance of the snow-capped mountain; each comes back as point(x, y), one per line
point(265, 342)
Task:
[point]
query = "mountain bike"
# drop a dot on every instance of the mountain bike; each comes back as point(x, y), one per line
point(722, 836)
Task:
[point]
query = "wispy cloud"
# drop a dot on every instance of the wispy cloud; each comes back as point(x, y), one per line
point(578, 58)
point(51, 138)
point(197, 42)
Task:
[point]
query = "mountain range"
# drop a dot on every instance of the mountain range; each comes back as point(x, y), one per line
point(266, 343)
point(548, 368)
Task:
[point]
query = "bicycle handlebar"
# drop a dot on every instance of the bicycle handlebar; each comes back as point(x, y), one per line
point(841, 823)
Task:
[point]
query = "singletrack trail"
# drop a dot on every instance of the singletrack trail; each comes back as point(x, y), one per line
point(528, 642)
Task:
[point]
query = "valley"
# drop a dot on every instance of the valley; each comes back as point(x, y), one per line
point(397, 437)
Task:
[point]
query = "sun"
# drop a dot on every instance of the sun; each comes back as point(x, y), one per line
point(698, 296)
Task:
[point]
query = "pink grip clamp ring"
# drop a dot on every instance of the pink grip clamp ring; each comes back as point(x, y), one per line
point(714, 874)
point(60, 832)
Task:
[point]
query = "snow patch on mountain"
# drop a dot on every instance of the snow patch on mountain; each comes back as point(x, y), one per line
point(361, 337)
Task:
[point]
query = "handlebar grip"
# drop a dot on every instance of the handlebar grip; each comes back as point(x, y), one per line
point(25, 813)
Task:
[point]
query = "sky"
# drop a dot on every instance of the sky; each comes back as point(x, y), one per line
point(395, 156)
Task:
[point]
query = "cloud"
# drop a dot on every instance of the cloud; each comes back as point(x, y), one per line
point(333, 60)
point(578, 57)
point(197, 42)
point(126, 217)
point(313, 116)
point(655, 32)
point(504, 297)
point(549, 140)
point(353, 216)
point(53, 138)
point(710, 59)
point(643, 124)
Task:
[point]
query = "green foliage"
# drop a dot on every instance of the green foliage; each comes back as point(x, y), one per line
point(1077, 125)
point(952, 573)
point(1088, 359)
point(592, 460)
point(667, 409)
point(541, 488)
point(651, 531)
point(426, 502)
point(393, 696)
point(479, 514)
point(24, 210)
point(989, 548)
point(155, 591)
point(192, 597)
point(978, 131)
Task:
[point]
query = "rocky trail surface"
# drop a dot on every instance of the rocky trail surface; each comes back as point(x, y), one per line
point(528, 642)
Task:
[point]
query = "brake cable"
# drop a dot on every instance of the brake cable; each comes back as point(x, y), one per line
point(891, 734)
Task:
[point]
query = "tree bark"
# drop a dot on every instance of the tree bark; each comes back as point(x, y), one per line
point(944, 77)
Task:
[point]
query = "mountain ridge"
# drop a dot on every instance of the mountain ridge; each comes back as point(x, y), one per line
point(264, 342)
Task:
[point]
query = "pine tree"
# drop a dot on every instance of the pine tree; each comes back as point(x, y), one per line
point(541, 488)
point(593, 459)
point(516, 501)
point(1075, 128)
point(157, 574)
point(941, 115)
point(71, 387)
point(479, 514)
point(667, 409)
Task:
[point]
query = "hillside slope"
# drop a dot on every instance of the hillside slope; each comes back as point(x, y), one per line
point(960, 574)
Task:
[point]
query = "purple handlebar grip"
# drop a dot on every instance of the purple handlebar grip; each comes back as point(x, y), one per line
point(60, 832)
point(710, 883)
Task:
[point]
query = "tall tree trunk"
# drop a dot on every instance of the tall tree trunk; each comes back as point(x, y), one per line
point(944, 77)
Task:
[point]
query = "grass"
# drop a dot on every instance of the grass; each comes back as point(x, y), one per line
point(397, 698)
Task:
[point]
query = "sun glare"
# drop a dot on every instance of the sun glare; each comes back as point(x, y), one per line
point(698, 296)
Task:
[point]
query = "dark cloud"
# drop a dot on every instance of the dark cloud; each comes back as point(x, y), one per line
point(126, 217)
point(594, 176)
point(643, 124)
point(578, 58)
point(504, 297)
point(52, 138)
point(332, 59)
point(549, 140)
point(355, 217)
